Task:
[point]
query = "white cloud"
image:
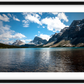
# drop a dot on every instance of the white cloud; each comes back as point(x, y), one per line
point(3, 17)
point(53, 24)
point(54, 13)
point(14, 18)
point(25, 21)
point(31, 17)
point(62, 16)
point(18, 35)
point(35, 35)
point(26, 40)
point(40, 13)
point(5, 31)
point(9, 15)
point(45, 36)
point(25, 25)
point(23, 41)
point(7, 27)
point(9, 42)
point(6, 34)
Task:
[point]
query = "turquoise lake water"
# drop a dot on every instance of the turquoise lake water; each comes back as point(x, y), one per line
point(42, 60)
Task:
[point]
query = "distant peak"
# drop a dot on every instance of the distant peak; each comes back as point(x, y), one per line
point(18, 42)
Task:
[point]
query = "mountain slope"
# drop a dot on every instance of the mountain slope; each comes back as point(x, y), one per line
point(49, 44)
point(74, 34)
point(18, 43)
point(63, 43)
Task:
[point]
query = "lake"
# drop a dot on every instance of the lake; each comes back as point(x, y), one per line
point(42, 60)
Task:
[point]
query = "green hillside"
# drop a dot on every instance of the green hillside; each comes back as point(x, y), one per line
point(7, 46)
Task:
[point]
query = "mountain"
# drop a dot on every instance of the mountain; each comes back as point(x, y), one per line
point(75, 33)
point(18, 43)
point(72, 36)
point(69, 36)
point(71, 33)
point(38, 41)
point(57, 35)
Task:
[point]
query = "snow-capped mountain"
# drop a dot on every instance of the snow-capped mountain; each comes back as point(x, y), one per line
point(38, 41)
point(18, 42)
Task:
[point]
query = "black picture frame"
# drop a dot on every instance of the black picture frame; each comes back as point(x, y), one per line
point(42, 3)
point(42, 81)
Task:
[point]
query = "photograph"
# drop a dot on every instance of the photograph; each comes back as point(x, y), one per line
point(41, 41)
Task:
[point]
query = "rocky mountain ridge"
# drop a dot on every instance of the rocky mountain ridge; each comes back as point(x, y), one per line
point(74, 34)
point(68, 37)
point(18, 43)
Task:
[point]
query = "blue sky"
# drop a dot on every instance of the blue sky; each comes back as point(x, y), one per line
point(25, 26)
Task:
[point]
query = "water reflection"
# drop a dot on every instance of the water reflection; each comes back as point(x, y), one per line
point(77, 61)
point(11, 58)
point(42, 60)
point(18, 56)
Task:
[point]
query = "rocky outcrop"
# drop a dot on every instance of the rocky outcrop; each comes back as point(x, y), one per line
point(63, 43)
point(74, 33)
point(57, 35)
point(48, 44)
point(18, 43)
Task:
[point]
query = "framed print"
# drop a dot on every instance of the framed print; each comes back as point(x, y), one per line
point(41, 42)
